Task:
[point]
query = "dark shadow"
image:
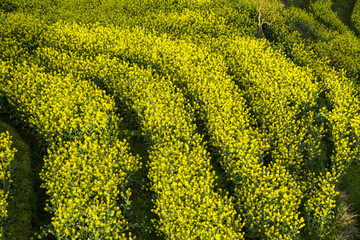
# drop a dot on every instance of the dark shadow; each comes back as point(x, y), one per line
point(7, 6)
point(26, 208)
point(139, 216)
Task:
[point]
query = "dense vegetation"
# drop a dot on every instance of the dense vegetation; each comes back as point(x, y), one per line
point(179, 119)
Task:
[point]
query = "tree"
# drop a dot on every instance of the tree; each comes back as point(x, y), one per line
point(268, 11)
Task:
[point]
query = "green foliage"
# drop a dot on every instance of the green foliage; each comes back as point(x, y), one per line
point(322, 10)
point(355, 17)
point(19, 36)
point(8, 6)
point(351, 185)
point(298, 29)
point(25, 213)
point(344, 9)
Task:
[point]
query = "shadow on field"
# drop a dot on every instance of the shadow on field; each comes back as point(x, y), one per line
point(27, 200)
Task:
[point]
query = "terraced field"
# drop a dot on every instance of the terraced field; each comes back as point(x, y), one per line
point(191, 119)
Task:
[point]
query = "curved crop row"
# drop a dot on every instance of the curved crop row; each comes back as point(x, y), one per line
point(339, 89)
point(322, 10)
point(78, 123)
point(344, 124)
point(211, 20)
point(340, 50)
point(270, 188)
point(344, 121)
point(342, 114)
point(180, 168)
point(19, 35)
point(222, 108)
point(7, 155)
point(280, 95)
point(355, 17)
point(219, 104)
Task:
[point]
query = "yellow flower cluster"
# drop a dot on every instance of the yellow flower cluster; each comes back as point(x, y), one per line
point(289, 31)
point(83, 179)
point(180, 170)
point(86, 167)
point(47, 102)
point(7, 155)
point(19, 33)
point(343, 119)
point(204, 22)
point(339, 48)
point(344, 126)
point(322, 10)
point(321, 205)
point(278, 93)
point(342, 115)
point(345, 136)
point(268, 195)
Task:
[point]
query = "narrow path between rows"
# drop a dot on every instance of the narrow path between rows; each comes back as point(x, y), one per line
point(26, 213)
